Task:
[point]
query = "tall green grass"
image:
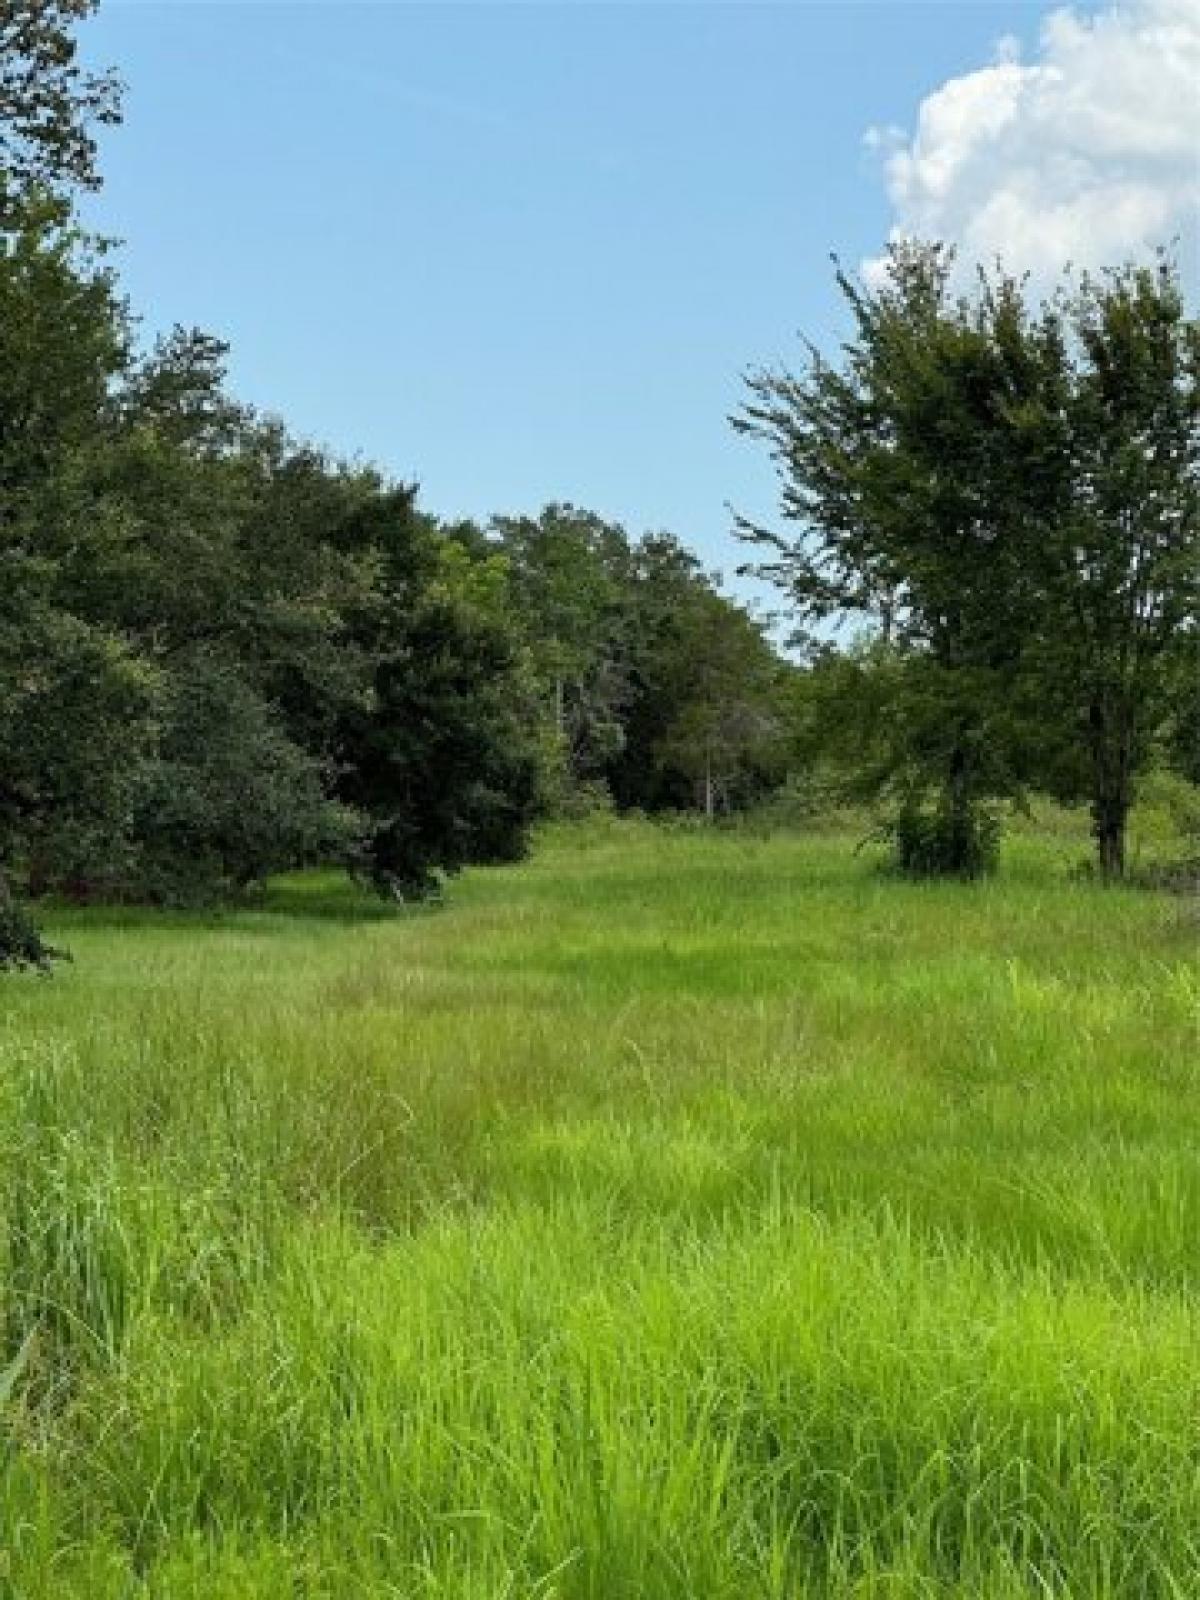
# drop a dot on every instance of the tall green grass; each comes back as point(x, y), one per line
point(674, 1215)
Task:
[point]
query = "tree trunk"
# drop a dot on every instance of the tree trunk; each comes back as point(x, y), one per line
point(1110, 846)
point(709, 796)
point(958, 787)
point(1111, 742)
point(37, 878)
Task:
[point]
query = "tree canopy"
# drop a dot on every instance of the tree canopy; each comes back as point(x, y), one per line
point(50, 106)
point(1007, 492)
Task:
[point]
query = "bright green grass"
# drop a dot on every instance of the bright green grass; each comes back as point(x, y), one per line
point(671, 1216)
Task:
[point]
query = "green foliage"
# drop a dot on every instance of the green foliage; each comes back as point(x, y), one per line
point(212, 640)
point(76, 720)
point(1010, 493)
point(223, 653)
point(712, 692)
point(942, 842)
point(443, 759)
point(651, 681)
point(63, 340)
point(49, 103)
point(21, 945)
point(871, 722)
point(227, 799)
point(1167, 851)
point(568, 576)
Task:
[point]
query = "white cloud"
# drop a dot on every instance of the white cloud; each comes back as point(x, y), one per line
point(1088, 153)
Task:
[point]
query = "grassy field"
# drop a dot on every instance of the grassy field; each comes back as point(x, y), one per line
point(673, 1215)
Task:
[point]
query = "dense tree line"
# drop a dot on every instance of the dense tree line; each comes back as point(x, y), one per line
point(224, 652)
point(1008, 494)
point(653, 685)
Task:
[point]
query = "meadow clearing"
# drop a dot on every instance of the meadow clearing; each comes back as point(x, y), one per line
point(672, 1215)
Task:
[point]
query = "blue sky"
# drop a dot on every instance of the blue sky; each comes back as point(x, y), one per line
point(523, 252)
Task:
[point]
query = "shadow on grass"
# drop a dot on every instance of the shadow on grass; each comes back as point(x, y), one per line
point(323, 897)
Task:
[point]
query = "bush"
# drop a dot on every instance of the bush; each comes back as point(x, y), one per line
point(1168, 810)
point(944, 843)
point(21, 945)
point(229, 799)
point(812, 799)
point(565, 798)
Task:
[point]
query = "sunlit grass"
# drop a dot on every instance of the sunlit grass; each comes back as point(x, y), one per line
point(673, 1215)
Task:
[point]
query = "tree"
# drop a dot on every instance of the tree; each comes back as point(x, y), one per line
point(76, 719)
point(889, 463)
point(719, 683)
point(569, 578)
point(302, 639)
point(443, 758)
point(49, 104)
point(74, 703)
point(700, 680)
point(63, 341)
point(210, 637)
point(662, 577)
point(1009, 493)
point(1115, 608)
point(225, 798)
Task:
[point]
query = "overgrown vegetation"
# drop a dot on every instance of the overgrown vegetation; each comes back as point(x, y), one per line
point(695, 1210)
point(21, 945)
point(685, 1213)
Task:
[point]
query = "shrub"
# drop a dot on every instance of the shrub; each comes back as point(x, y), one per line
point(21, 945)
point(229, 799)
point(1168, 808)
point(963, 842)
